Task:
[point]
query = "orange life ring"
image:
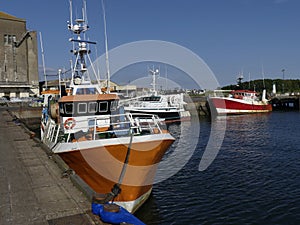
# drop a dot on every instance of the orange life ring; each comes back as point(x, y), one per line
point(69, 123)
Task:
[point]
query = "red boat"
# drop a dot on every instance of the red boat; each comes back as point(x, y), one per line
point(240, 102)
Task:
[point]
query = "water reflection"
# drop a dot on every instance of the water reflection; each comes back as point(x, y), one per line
point(253, 180)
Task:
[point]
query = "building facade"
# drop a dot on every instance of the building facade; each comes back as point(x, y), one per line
point(18, 58)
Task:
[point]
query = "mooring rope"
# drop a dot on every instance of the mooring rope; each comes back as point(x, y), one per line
point(116, 188)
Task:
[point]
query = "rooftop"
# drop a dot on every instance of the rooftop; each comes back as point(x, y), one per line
point(7, 16)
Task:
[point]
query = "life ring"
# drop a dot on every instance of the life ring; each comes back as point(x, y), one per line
point(69, 123)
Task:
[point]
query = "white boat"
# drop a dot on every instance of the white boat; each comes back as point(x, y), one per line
point(114, 153)
point(168, 107)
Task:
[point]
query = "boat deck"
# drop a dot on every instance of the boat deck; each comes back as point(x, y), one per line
point(32, 188)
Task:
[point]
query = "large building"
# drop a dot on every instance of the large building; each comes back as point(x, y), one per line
point(18, 58)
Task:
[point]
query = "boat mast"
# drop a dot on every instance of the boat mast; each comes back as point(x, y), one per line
point(239, 80)
point(43, 59)
point(166, 77)
point(154, 73)
point(263, 75)
point(106, 49)
point(249, 81)
point(78, 29)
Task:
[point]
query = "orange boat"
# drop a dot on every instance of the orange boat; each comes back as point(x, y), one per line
point(114, 153)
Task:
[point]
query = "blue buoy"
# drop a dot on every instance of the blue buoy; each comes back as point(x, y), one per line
point(112, 213)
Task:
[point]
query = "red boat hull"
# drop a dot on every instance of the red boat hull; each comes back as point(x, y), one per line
point(224, 105)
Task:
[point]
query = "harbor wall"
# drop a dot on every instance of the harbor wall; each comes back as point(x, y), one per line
point(199, 103)
point(285, 103)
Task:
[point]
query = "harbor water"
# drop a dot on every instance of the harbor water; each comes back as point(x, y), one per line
point(254, 179)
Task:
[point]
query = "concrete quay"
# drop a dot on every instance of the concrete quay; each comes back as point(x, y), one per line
point(32, 188)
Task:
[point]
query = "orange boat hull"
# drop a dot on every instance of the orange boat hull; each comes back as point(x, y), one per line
point(100, 167)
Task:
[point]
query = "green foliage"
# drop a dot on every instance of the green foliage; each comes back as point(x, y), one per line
point(286, 86)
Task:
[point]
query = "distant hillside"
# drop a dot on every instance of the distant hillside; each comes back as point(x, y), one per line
point(258, 85)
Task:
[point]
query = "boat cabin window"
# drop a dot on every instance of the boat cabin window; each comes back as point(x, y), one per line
point(113, 105)
point(93, 107)
point(87, 108)
point(151, 99)
point(103, 106)
point(61, 108)
point(82, 108)
point(87, 91)
point(69, 108)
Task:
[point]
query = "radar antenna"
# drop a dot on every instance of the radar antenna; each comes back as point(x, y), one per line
point(81, 50)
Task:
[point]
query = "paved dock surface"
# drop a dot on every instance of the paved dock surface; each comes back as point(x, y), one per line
point(32, 190)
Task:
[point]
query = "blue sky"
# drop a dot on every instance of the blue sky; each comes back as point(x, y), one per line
point(231, 36)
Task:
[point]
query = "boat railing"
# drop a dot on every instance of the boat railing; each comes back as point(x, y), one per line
point(149, 122)
point(220, 93)
point(120, 125)
point(51, 133)
point(141, 125)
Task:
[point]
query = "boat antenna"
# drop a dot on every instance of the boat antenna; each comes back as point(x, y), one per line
point(263, 75)
point(97, 65)
point(71, 14)
point(43, 59)
point(82, 51)
point(154, 73)
point(71, 67)
point(166, 76)
point(106, 49)
point(59, 81)
point(239, 79)
point(84, 17)
point(84, 13)
point(249, 80)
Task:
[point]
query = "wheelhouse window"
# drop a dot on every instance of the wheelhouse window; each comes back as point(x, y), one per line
point(92, 107)
point(69, 109)
point(82, 108)
point(79, 91)
point(91, 91)
point(61, 108)
point(113, 105)
point(151, 99)
point(88, 91)
point(103, 106)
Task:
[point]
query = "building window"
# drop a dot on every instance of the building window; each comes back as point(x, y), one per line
point(9, 39)
point(5, 39)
